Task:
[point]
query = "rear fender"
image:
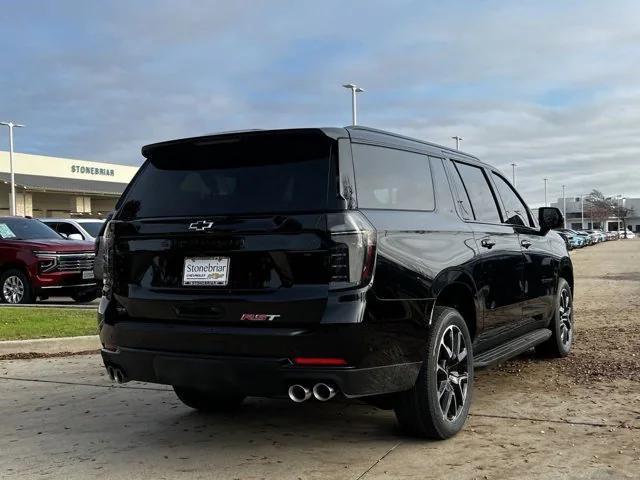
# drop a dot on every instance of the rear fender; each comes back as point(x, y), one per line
point(457, 279)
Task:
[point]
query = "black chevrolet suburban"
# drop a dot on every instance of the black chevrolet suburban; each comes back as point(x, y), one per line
point(316, 263)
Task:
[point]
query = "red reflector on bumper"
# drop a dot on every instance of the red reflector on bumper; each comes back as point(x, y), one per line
point(319, 361)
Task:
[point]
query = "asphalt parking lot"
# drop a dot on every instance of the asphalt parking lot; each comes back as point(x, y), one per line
point(573, 418)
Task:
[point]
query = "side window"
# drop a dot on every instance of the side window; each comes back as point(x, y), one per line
point(516, 210)
point(464, 204)
point(67, 229)
point(392, 179)
point(477, 187)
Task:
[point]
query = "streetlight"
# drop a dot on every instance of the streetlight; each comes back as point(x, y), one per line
point(564, 207)
point(354, 90)
point(458, 140)
point(545, 191)
point(513, 173)
point(11, 125)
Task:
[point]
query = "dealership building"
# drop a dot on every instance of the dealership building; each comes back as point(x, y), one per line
point(579, 217)
point(61, 187)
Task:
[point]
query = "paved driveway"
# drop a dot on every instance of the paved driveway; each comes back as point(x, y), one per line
point(68, 422)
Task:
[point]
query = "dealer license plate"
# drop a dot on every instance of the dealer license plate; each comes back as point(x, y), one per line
point(206, 271)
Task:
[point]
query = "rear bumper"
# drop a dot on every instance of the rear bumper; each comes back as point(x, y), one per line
point(255, 376)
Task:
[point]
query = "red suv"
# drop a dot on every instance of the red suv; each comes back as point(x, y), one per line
point(37, 262)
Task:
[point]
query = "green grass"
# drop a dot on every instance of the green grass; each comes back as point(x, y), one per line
point(25, 323)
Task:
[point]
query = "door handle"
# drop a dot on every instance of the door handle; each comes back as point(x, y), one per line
point(525, 243)
point(487, 243)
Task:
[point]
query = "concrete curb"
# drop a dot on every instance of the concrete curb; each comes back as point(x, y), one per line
point(50, 345)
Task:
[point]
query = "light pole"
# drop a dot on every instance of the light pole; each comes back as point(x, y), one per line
point(458, 140)
point(513, 173)
point(11, 125)
point(624, 225)
point(354, 90)
point(564, 207)
point(582, 212)
point(545, 191)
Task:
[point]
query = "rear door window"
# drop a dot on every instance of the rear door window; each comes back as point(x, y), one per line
point(391, 179)
point(479, 192)
point(464, 204)
point(251, 174)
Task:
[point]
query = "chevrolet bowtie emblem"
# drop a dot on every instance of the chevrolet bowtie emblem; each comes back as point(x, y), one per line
point(201, 225)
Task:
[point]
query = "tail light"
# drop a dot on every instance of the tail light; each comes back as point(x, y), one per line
point(352, 254)
point(107, 259)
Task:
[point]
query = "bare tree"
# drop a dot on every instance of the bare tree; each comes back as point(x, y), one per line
point(598, 208)
point(623, 213)
point(601, 208)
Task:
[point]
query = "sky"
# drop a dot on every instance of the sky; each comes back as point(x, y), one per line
point(551, 86)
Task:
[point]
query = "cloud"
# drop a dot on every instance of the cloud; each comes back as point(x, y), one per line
point(550, 86)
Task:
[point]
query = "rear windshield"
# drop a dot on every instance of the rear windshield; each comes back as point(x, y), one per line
point(242, 175)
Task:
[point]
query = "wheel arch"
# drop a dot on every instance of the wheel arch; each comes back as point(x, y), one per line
point(15, 265)
point(457, 290)
point(565, 270)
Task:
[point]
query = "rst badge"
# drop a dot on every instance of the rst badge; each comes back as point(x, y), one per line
point(258, 317)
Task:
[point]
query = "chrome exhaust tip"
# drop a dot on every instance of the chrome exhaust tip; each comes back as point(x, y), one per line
point(323, 392)
point(118, 376)
point(299, 393)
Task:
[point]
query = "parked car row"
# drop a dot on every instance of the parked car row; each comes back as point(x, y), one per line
point(52, 257)
point(583, 238)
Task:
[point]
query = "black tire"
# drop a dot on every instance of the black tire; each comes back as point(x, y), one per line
point(562, 326)
point(423, 411)
point(11, 280)
point(85, 297)
point(209, 401)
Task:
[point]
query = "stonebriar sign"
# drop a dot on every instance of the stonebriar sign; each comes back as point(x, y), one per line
point(104, 172)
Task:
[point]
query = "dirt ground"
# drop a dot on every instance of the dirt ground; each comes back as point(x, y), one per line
point(577, 417)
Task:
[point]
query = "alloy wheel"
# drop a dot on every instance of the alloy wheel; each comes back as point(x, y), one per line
point(13, 289)
point(452, 373)
point(566, 317)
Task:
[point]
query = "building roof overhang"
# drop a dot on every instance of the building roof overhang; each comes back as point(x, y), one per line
point(43, 183)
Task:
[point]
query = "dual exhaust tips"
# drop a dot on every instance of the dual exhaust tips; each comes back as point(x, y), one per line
point(321, 391)
point(116, 374)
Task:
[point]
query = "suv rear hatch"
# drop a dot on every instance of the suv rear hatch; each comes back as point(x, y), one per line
point(233, 228)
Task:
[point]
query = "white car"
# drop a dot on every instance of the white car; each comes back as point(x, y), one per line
point(75, 228)
point(629, 233)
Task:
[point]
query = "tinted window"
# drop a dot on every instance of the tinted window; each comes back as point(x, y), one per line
point(515, 209)
point(25, 229)
point(247, 174)
point(392, 179)
point(477, 187)
point(464, 204)
point(92, 227)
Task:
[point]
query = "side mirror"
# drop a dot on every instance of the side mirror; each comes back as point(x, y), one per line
point(75, 236)
point(549, 218)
